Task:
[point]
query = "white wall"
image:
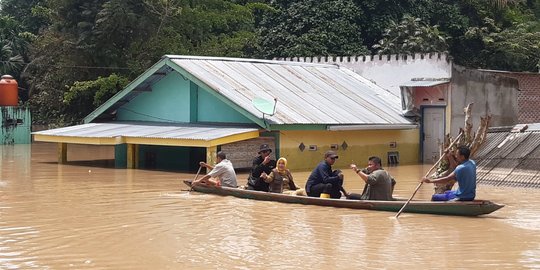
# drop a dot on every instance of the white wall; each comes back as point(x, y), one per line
point(390, 71)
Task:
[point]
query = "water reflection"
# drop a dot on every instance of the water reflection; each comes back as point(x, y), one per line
point(90, 215)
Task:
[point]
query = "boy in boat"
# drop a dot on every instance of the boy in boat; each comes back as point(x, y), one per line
point(280, 180)
point(379, 185)
point(465, 174)
point(262, 163)
point(220, 175)
point(323, 182)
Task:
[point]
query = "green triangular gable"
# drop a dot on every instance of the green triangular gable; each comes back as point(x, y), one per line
point(153, 74)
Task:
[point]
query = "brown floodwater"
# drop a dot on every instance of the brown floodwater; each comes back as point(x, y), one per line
point(88, 215)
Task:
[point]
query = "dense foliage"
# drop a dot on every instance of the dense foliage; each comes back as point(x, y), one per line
point(411, 36)
point(69, 56)
point(83, 97)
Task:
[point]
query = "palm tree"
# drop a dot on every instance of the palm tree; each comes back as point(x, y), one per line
point(9, 63)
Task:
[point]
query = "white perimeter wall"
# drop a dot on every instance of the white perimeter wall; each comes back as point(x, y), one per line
point(390, 71)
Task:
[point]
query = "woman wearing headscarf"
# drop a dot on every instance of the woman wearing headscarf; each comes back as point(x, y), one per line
point(280, 180)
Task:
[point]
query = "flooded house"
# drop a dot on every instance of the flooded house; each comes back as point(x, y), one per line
point(184, 109)
point(434, 91)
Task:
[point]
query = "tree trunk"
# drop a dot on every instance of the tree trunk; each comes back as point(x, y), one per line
point(472, 140)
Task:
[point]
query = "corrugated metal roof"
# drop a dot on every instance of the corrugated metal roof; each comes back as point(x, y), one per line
point(147, 130)
point(493, 139)
point(526, 146)
point(533, 127)
point(510, 159)
point(307, 93)
point(525, 173)
point(424, 83)
point(510, 144)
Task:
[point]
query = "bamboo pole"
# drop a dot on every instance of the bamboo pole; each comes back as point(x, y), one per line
point(427, 174)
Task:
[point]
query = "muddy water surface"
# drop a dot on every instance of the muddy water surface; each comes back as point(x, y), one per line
point(88, 215)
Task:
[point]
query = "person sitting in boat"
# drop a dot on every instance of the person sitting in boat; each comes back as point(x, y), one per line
point(220, 175)
point(323, 182)
point(465, 174)
point(280, 180)
point(379, 185)
point(262, 163)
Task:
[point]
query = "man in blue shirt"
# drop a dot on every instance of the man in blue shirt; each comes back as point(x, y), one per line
point(465, 174)
point(323, 182)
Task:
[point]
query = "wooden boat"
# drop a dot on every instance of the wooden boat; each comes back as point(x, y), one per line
point(458, 208)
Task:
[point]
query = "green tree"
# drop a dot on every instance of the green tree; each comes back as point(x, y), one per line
point(12, 33)
point(119, 24)
point(63, 53)
point(9, 63)
point(514, 49)
point(220, 28)
point(68, 41)
point(30, 14)
point(88, 39)
point(311, 28)
point(165, 10)
point(411, 36)
point(83, 97)
point(14, 45)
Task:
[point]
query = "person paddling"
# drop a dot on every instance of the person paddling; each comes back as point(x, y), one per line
point(220, 175)
point(465, 174)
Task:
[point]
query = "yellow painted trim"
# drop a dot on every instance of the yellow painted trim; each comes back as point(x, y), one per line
point(211, 158)
point(168, 142)
point(191, 142)
point(62, 153)
point(235, 138)
point(132, 156)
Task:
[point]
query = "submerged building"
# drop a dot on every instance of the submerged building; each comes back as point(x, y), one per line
point(434, 91)
point(186, 108)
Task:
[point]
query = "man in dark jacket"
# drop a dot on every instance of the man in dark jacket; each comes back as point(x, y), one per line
point(323, 182)
point(262, 163)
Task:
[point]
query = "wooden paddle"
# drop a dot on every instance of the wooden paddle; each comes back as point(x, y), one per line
point(427, 174)
point(196, 175)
